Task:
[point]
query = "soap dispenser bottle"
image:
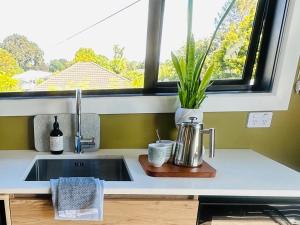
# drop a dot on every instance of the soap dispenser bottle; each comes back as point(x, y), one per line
point(56, 139)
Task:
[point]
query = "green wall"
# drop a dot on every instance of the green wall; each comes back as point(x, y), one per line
point(281, 142)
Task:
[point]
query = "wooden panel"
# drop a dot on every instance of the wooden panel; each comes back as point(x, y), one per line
point(35, 211)
point(170, 170)
point(5, 198)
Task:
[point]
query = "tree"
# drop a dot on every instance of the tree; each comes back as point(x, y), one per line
point(57, 65)
point(104, 62)
point(118, 51)
point(89, 55)
point(8, 84)
point(232, 47)
point(8, 64)
point(8, 68)
point(118, 63)
point(135, 65)
point(136, 78)
point(167, 71)
point(85, 55)
point(28, 55)
point(229, 50)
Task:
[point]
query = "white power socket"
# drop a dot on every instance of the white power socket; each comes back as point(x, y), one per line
point(297, 87)
point(259, 119)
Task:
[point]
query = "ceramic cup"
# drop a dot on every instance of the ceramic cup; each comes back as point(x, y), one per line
point(157, 154)
point(171, 145)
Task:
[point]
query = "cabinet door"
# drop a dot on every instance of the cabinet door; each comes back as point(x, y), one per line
point(37, 211)
point(4, 210)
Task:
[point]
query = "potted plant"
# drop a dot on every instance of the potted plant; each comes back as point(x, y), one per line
point(193, 81)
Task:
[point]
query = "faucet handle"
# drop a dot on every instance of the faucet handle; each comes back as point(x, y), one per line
point(88, 141)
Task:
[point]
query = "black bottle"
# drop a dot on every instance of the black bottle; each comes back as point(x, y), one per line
point(56, 139)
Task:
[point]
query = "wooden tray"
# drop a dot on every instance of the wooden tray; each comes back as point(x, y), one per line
point(170, 170)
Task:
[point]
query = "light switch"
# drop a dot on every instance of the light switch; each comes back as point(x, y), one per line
point(259, 119)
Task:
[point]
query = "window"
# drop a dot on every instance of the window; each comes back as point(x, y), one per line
point(55, 46)
point(244, 52)
point(123, 46)
point(231, 46)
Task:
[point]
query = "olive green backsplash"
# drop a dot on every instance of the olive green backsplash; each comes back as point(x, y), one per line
point(281, 142)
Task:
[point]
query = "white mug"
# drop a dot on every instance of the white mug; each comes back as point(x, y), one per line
point(157, 154)
point(171, 145)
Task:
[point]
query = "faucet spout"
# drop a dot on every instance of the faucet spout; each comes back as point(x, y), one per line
point(78, 112)
point(79, 141)
point(78, 122)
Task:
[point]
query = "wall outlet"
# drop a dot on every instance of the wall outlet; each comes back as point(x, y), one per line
point(259, 119)
point(297, 87)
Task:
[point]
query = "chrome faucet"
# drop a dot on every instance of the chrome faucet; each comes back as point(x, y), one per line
point(80, 142)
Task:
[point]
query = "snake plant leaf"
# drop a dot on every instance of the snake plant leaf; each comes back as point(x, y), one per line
point(177, 66)
point(182, 65)
point(189, 26)
point(198, 67)
point(184, 98)
point(191, 87)
point(207, 77)
point(179, 92)
point(201, 95)
point(191, 59)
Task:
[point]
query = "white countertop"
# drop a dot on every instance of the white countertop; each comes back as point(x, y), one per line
point(240, 172)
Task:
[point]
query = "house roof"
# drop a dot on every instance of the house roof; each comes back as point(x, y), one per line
point(85, 75)
point(32, 75)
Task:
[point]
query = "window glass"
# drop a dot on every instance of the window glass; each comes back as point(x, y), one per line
point(229, 50)
point(55, 45)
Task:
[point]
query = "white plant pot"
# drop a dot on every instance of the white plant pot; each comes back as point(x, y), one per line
point(183, 115)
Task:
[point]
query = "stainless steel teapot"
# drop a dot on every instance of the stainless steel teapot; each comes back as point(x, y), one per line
point(189, 144)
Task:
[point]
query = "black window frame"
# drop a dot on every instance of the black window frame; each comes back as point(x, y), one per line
point(266, 38)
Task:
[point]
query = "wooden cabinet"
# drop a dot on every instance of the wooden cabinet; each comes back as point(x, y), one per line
point(5, 215)
point(141, 211)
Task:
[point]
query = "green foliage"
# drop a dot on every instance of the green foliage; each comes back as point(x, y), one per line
point(167, 71)
point(134, 65)
point(39, 81)
point(136, 78)
point(118, 51)
point(229, 48)
point(8, 84)
point(8, 64)
point(85, 55)
point(57, 65)
point(191, 88)
point(118, 63)
point(138, 82)
point(229, 58)
point(88, 55)
point(28, 55)
point(104, 62)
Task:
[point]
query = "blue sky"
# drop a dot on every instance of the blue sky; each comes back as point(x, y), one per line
point(48, 22)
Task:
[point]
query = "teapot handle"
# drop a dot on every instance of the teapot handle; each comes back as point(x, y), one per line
point(211, 132)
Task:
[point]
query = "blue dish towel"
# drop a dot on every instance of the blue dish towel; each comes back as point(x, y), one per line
point(77, 198)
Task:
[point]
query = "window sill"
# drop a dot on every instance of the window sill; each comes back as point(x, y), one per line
point(145, 104)
point(277, 100)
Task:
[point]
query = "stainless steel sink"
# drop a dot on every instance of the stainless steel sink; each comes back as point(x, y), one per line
point(109, 169)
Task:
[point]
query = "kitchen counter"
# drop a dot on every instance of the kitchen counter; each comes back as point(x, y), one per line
point(240, 172)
